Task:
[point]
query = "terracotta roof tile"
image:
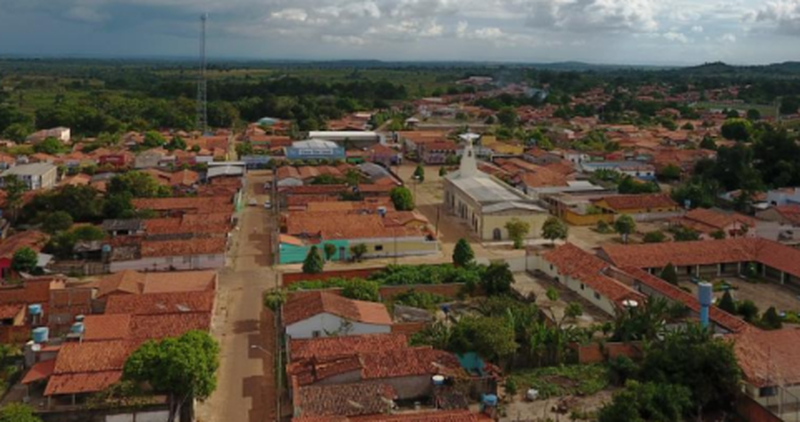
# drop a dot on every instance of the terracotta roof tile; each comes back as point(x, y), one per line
point(409, 361)
point(10, 311)
point(106, 327)
point(176, 281)
point(204, 205)
point(622, 203)
point(81, 383)
point(769, 358)
point(576, 263)
point(335, 346)
point(304, 305)
point(718, 219)
point(344, 399)
point(200, 246)
point(39, 371)
point(31, 239)
point(161, 303)
point(92, 357)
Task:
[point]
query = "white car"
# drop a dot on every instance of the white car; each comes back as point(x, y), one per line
point(267, 204)
point(252, 202)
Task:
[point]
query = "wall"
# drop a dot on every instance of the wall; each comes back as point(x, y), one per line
point(147, 413)
point(200, 262)
point(751, 411)
point(291, 278)
point(493, 221)
point(389, 247)
point(576, 219)
point(596, 352)
point(292, 254)
point(331, 323)
point(586, 292)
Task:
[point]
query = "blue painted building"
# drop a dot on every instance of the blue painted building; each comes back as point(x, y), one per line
point(314, 149)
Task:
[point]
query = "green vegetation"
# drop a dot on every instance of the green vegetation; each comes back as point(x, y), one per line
point(463, 254)
point(359, 289)
point(518, 230)
point(669, 274)
point(625, 225)
point(640, 402)
point(274, 299)
point(17, 412)
point(24, 260)
point(656, 236)
point(558, 381)
point(182, 368)
point(554, 228)
point(313, 264)
point(419, 299)
point(402, 198)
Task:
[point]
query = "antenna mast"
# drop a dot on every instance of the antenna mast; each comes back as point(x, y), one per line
point(202, 97)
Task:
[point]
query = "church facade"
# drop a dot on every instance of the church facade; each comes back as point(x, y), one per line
point(485, 204)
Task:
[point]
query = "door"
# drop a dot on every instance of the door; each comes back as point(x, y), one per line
point(497, 234)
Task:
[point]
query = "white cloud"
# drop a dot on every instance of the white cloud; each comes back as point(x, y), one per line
point(348, 40)
point(676, 36)
point(727, 38)
point(594, 15)
point(783, 15)
point(297, 15)
point(697, 28)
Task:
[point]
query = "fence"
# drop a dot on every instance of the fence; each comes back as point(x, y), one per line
point(292, 278)
point(597, 352)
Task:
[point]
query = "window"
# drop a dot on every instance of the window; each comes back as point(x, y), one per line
point(767, 391)
point(378, 248)
point(583, 286)
point(551, 267)
point(597, 295)
point(315, 334)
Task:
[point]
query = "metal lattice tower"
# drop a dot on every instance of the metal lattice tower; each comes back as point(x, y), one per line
point(202, 93)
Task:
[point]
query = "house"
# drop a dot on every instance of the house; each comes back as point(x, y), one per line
point(177, 207)
point(314, 149)
point(170, 255)
point(349, 139)
point(768, 360)
point(711, 258)
point(135, 283)
point(541, 157)
point(783, 196)
point(32, 239)
point(639, 206)
point(585, 274)
point(785, 215)
point(709, 222)
point(384, 233)
point(486, 204)
point(35, 176)
point(60, 133)
point(318, 314)
point(384, 155)
point(635, 169)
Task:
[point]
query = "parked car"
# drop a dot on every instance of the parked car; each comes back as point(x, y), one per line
point(267, 204)
point(252, 202)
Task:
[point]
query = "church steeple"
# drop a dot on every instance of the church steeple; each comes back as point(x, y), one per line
point(469, 164)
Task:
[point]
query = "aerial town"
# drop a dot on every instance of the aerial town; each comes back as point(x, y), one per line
point(398, 241)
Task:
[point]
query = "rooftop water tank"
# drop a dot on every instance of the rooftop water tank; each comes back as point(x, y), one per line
point(41, 334)
point(35, 309)
point(77, 328)
point(382, 211)
point(705, 294)
point(438, 380)
point(79, 318)
point(490, 400)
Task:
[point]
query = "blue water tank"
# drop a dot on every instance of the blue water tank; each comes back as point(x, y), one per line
point(490, 400)
point(77, 328)
point(35, 309)
point(40, 334)
point(79, 318)
point(705, 293)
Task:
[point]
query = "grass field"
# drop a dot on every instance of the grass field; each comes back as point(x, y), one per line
point(764, 109)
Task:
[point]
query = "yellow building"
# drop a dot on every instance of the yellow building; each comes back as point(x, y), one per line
point(499, 147)
point(485, 204)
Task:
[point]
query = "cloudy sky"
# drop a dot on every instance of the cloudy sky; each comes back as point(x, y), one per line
point(598, 31)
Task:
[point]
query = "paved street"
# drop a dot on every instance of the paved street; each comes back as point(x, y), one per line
point(246, 388)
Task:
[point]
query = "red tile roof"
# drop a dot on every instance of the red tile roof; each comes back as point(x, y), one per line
point(334, 346)
point(343, 399)
point(408, 362)
point(702, 252)
point(716, 219)
point(31, 239)
point(673, 292)
point(769, 358)
point(304, 305)
point(90, 382)
point(622, 203)
point(132, 282)
point(578, 264)
point(39, 371)
point(200, 246)
point(204, 205)
point(161, 303)
point(92, 357)
point(10, 311)
point(106, 327)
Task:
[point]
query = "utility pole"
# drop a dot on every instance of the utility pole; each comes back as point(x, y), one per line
point(202, 92)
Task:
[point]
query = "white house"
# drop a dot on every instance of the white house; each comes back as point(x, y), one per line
point(35, 175)
point(783, 196)
point(323, 314)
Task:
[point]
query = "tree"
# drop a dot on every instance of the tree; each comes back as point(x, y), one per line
point(497, 279)
point(726, 303)
point(24, 260)
point(507, 117)
point(56, 221)
point(118, 205)
point(358, 251)
point(685, 353)
point(419, 173)
point(330, 251)
point(753, 115)
point(625, 225)
point(153, 139)
point(656, 236)
point(685, 234)
point(640, 402)
point(670, 172)
point(554, 228)
point(18, 412)
point(360, 289)
point(737, 129)
point(518, 230)
point(718, 234)
point(402, 198)
point(669, 274)
point(748, 310)
point(789, 105)
point(138, 184)
point(274, 299)
point(14, 188)
point(462, 253)
point(771, 320)
point(181, 368)
point(442, 171)
point(493, 338)
point(89, 233)
point(313, 264)
point(50, 146)
point(708, 143)
point(176, 143)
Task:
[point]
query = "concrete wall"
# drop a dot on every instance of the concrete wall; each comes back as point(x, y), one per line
point(331, 323)
point(498, 221)
point(292, 254)
point(196, 262)
point(401, 246)
point(576, 286)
